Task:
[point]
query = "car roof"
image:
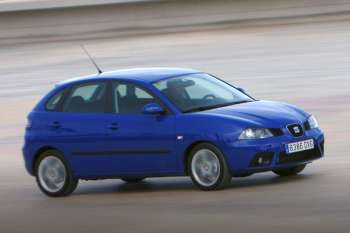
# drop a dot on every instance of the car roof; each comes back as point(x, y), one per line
point(148, 75)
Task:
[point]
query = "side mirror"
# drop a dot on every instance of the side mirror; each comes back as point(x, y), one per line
point(153, 109)
point(241, 90)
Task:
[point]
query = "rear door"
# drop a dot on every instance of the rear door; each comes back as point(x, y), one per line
point(80, 126)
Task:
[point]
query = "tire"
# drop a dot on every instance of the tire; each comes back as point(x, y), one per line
point(213, 173)
point(49, 181)
point(133, 180)
point(290, 171)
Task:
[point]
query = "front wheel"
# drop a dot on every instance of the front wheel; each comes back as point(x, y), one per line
point(208, 168)
point(53, 175)
point(290, 171)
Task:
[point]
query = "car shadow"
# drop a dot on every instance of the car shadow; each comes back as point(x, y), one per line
point(183, 184)
point(266, 180)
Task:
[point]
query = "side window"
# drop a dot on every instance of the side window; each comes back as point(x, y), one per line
point(141, 94)
point(54, 101)
point(86, 98)
point(129, 98)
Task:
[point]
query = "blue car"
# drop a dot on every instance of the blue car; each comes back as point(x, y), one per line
point(153, 122)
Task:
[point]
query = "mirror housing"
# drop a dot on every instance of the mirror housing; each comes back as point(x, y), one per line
point(153, 109)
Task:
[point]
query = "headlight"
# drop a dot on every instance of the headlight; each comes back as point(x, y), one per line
point(251, 133)
point(312, 122)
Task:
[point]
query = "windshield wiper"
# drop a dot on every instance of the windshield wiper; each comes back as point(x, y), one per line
point(203, 108)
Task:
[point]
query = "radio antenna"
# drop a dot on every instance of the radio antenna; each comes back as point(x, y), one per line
point(91, 59)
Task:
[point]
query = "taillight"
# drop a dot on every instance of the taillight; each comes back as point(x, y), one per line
point(29, 123)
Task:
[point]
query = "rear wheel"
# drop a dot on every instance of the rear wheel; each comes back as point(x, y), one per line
point(208, 168)
point(133, 180)
point(290, 171)
point(53, 174)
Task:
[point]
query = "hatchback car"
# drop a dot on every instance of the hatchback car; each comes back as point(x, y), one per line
point(140, 123)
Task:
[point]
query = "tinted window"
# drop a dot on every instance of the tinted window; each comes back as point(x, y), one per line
point(86, 98)
point(53, 103)
point(206, 89)
point(129, 98)
point(197, 92)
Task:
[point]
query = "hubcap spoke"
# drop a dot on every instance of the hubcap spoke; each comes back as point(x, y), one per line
point(205, 167)
point(52, 174)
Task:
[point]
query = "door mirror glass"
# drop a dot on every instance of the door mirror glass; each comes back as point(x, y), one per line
point(153, 109)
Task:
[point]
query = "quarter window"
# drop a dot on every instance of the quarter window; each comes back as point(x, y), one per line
point(86, 98)
point(54, 101)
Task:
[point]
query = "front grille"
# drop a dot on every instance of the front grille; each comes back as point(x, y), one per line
point(276, 131)
point(299, 156)
point(296, 130)
point(306, 125)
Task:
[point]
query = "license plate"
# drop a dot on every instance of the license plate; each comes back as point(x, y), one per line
point(300, 146)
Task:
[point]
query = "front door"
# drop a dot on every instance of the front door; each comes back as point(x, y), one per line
point(138, 143)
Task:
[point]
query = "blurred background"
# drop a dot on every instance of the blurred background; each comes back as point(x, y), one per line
point(292, 51)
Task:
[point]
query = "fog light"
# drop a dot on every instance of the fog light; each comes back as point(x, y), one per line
point(262, 159)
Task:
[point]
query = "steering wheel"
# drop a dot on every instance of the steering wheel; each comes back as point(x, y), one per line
point(209, 96)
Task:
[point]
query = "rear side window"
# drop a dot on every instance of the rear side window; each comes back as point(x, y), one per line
point(86, 98)
point(53, 103)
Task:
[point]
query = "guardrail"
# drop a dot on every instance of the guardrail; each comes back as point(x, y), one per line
point(115, 20)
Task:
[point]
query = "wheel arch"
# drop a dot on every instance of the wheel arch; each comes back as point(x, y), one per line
point(188, 150)
point(38, 152)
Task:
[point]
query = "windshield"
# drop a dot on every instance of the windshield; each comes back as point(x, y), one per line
point(199, 92)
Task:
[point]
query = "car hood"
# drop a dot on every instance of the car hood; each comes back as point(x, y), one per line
point(262, 113)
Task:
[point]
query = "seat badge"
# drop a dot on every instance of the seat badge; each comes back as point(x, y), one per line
point(296, 129)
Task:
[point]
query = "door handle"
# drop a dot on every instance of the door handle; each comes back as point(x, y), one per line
point(55, 124)
point(113, 126)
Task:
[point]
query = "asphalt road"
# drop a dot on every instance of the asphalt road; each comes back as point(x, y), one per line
point(302, 62)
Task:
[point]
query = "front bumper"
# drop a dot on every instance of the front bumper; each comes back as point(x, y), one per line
point(251, 156)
